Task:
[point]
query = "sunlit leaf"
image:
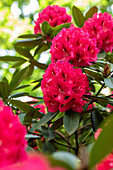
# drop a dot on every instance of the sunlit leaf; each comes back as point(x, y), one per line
point(78, 16)
point(91, 12)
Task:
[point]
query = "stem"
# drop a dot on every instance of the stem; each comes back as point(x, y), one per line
point(64, 144)
point(100, 90)
point(87, 111)
point(63, 137)
point(77, 145)
point(84, 126)
point(87, 136)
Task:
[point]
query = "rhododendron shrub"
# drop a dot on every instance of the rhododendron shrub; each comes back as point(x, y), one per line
point(78, 70)
point(54, 15)
point(12, 137)
point(100, 26)
point(75, 46)
point(63, 87)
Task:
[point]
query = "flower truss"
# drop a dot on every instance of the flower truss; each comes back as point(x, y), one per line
point(63, 87)
point(100, 26)
point(75, 46)
point(54, 15)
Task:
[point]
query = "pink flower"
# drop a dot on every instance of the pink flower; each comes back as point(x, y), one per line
point(106, 163)
point(34, 162)
point(97, 133)
point(63, 87)
point(75, 46)
point(100, 26)
point(54, 15)
point(12, 137)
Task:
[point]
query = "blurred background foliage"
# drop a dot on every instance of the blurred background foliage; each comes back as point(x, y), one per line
point(17, 17)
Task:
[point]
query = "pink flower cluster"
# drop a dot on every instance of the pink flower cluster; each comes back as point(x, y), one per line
point(100, 26)
point(12, 137)
point(63, 87)
point(75, 46)
point(54, 15)
point(107, 162)
point(34, 162)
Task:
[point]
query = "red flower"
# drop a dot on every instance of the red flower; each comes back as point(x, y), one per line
point(63, 87)
point(100, 26)
point(12, 141)
point(54, 15)
point(75, 46)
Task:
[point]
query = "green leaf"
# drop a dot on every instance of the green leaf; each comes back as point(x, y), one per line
point(104, 144)
point(32, 136)
point(41, 48)
point(31, 69)
point(11, 58)
point(30, 36)
point(45, 27)
point(40, 65)
point(23, 51)
point(68, 158)
point(93, 73)
point(18, 63)
point(71, 121)
point(18, 78)
point(78, 16)
point(37, 86)
point(96, 119)
point(101, 55)
point(91, 12)
point(21, 117)
point(47, 117)
point(4, 89)
point(18, 95)
point(59, 163)
point(109, 82)
point(26, 108)
point(29, 43)
point(37, 80)
point(21, 87)
point(48, 133)
point(48, 148)
point(109, 58)
point(58, 28)
point(30, 149)
point(58, 123)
